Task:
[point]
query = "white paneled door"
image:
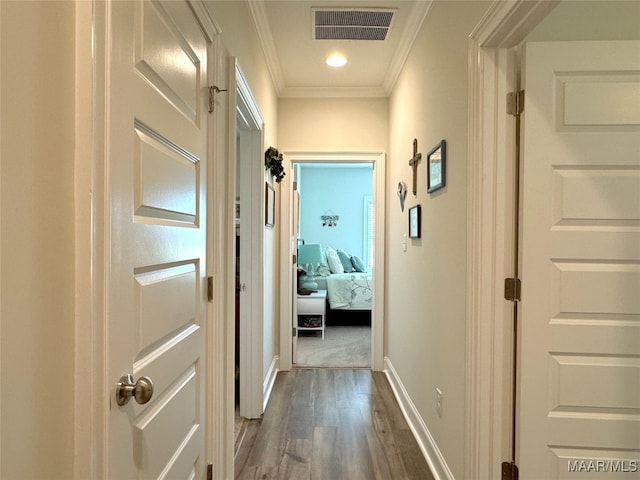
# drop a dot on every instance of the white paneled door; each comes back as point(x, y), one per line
point(294, 244)
point(580, 335)
point(157, 125)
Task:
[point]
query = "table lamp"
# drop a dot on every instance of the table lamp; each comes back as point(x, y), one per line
point(310, 255)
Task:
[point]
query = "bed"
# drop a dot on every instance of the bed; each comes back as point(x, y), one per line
point(347, 291)
point(349, 288)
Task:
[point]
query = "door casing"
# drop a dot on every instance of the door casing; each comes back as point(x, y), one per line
point(248, 127)
point(490, 240)
point(288, 247)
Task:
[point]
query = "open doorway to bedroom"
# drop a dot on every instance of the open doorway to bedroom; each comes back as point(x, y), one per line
point(334, 291)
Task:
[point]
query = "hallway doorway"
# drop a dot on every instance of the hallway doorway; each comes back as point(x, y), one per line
point(290, 237)
point(336, 217)
point(249, 240)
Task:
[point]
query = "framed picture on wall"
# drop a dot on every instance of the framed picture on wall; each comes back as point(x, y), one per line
point(269, 205)
point(414, 221)
point(436, 167)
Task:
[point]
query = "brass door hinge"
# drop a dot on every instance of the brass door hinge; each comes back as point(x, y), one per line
point(509, 471)
point(515, 103)
point(210, 289)
point(512, 289)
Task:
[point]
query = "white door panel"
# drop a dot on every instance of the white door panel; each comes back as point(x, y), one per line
point(580, 335)
point(157, 147)
point(294, 244)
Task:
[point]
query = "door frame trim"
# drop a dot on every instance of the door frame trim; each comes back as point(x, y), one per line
point(91, 401)
point(490, 186)
point(287, 245)
point(248, 160)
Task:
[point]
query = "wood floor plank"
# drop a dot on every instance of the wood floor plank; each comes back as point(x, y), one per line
point(414, 463)
point(327, 457)
point(382, 443)
point(384, 463)
point(382, 387)
point(296, 461)
point(325, 406)
point(352, 440)
point(333, 424)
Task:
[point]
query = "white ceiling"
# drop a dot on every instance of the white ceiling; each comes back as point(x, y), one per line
point(297, 62)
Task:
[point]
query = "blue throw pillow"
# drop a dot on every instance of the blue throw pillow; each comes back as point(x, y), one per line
point(345, 259)
point(358, 264)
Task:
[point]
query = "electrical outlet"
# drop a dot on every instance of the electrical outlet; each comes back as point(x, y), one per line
point(439, 402)
point(404, 242)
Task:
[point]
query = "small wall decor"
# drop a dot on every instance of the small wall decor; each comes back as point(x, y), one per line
point(436, 167)
point(402, 193)
point(269, 205)
point(415, 220)
point(413, 162)
point(273, 161)
point(329, 219)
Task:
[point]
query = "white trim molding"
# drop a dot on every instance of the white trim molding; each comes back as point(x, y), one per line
point(490, 237)
point(246, 140)
point(92, 402)
point(261, 24)
point(270, 381)
point(437, 464)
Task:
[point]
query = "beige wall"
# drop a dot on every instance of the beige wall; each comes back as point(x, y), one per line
point(590, 20)
point(426, 284)
point(333, 124)
point(37, 247)
point(239, 39)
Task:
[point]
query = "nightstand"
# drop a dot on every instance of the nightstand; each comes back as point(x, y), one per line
point(311, 311)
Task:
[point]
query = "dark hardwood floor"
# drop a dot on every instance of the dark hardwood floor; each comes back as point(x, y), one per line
point(330, 424)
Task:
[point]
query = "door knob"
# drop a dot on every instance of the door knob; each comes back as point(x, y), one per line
point(142, 390)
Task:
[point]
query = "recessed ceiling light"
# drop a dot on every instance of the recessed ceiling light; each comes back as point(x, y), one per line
point(336, 60)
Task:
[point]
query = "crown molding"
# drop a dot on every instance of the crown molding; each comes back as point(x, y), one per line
point(333, 92)
point(261, 24)
point(418, 15)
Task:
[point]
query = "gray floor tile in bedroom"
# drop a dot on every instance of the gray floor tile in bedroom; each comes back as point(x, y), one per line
point(343, 346)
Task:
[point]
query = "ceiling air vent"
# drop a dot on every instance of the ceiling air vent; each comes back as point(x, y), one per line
point(352, 23)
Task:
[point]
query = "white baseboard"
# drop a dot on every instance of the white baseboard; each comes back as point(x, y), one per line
point(269, 381)
point(427, 444)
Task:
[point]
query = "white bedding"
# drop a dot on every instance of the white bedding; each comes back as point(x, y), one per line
point(350, 291)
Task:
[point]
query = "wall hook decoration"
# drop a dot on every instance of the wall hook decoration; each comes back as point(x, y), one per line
point(213, 89)
point(273, 161)
point(402, 193)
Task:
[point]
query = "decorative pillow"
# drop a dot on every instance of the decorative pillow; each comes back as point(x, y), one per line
point(358, 264)
point(345, 259)
point(335, 265)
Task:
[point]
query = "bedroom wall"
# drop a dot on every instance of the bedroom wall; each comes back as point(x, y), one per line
point(239, 39)
point(340, 190)
point(426, 283)
point(37, 129)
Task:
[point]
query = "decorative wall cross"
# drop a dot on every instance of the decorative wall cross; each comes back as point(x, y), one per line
point(414, 165)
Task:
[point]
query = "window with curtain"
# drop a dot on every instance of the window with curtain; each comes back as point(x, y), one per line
point(369, 229)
